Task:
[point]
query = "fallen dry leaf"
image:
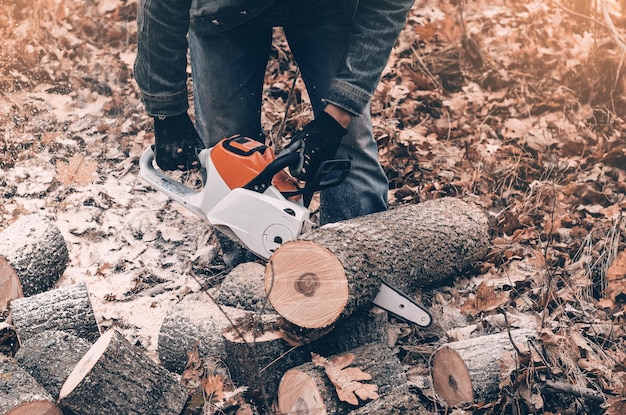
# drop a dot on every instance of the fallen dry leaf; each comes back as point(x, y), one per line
point(213, 387)
point(79, 171)
point(346, 379)
point(486, 299)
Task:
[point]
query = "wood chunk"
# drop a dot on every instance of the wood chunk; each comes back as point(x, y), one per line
point(51, 356)
point(333, 271)
point(37, 252)
point(468, 371)
point(20, 394)
point(306, 389)
point(66, 309)
point(10, 285)
point(115, 377)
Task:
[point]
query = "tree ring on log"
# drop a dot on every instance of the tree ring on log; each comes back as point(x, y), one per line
point(10, 285)
point(292, 401)
point(308, 299)
point(453, 384)
point(30, 408)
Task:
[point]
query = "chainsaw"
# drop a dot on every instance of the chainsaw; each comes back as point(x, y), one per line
point(248, 195)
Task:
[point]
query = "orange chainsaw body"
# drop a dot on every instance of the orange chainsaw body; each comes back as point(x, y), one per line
point(240, 159)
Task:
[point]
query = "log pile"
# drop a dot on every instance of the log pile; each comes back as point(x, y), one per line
point(274, 326)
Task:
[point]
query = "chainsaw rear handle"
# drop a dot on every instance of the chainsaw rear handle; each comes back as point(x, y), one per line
point(190, 198)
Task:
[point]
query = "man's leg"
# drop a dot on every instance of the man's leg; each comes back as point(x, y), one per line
point(317, 40)
point(228, 70)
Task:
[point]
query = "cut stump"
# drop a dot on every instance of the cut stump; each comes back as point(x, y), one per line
point(115, 377)
point(306, 389)
point(468, 371)
point(37, 252)
point(333, 271)
point(20, 394)
point(66, 309)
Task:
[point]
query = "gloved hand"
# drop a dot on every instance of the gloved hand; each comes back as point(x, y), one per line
point(317, 142)
point(176, 143)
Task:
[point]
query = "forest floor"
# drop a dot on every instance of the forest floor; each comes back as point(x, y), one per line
point(520, 104)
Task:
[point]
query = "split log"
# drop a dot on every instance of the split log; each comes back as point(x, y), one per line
point(51, 356)
point(330, 272)
point(10, 286)
point(194, 323)
point(468, 371)
point(36, 250)
point(20, 394)
point(116, 377)
point(66, 309)
point(306, 389)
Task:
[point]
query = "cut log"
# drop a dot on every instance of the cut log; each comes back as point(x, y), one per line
point(195, 322)
point(363, 327)
point(243, 288)
point(261, 357)
point(50, 357)
point(37, 252)
point(330, 272)
point(66, 309)
point(397, 403)
point(306, 389)
point(20, 394)
point(468, 371)
point(116, 377)
point(10, 286)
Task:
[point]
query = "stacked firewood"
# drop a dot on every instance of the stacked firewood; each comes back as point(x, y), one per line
point(300, 332)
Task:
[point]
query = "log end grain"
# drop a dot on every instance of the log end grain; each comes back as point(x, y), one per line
point(306, 284)
point(10, 286)
point(298, 394)
point(451, 377)
point(36, 408)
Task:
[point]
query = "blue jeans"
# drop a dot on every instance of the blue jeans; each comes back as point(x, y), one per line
point(228, 71)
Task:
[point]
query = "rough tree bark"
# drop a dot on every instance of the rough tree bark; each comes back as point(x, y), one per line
point(66, 309)
point(332, 271)
point(20, 394)
point(468, 371)
point(195, 322)
point(306, 389)
point(36, 250)
point(115, 377)
point(51, 356)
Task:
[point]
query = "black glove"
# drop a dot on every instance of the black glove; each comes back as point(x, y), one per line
point(176, 143)
point(317, 142)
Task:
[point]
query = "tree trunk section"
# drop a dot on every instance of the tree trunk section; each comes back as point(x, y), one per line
point(306, 389)
point(468, 371)
point(115, 377)
point(51, 356)
point(66, 309)
point(333, 271)
point(261, 357)
point(402, 402)
point(20, 394)
point(10, 285)
point(195, 322)
point(36, 250)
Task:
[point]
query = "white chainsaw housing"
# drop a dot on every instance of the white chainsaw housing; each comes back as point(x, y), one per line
point(259, 221)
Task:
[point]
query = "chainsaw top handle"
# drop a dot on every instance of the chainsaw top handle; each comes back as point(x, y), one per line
point(329, 174)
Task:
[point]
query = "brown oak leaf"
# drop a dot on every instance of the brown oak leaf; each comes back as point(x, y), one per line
point(79, 171)
point(346, 379)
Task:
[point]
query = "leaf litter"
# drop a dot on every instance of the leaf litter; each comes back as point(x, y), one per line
point(519, 104)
